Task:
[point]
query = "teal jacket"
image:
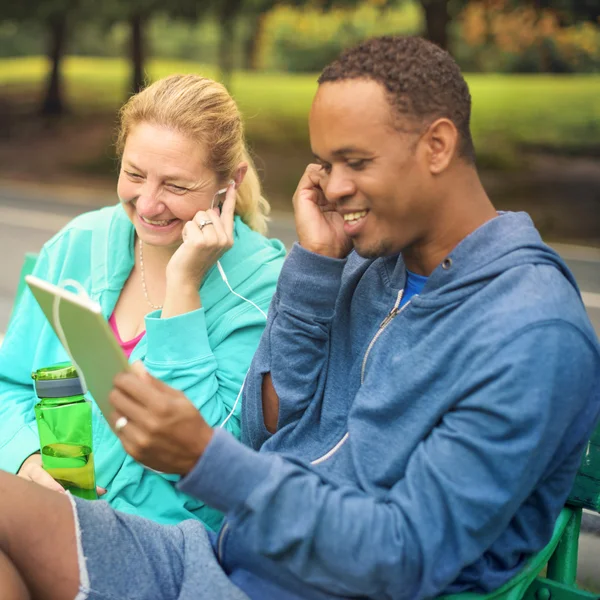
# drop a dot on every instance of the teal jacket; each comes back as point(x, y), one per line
point(204, 353)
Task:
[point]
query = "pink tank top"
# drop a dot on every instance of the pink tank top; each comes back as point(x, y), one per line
point(127, 346)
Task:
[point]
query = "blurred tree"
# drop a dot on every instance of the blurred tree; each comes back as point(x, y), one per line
point(572, 10)
point(254, 12)
point(550, 26)
point(57, 16)
point(54, 103)
point(440, 13)
point(138, 13)
point(437, 21)
point(227, 12)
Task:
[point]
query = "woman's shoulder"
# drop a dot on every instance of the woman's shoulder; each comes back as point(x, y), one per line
point(249, 242)
point(253, 262)
point(85, 225)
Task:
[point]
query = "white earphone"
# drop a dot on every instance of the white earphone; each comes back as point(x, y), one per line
point(221, 191)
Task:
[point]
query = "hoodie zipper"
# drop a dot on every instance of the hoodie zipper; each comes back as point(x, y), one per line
point(388, 319)
point(220, 541)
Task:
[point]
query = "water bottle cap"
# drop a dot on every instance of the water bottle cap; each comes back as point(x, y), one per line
point(63, 370)
point(57, 381)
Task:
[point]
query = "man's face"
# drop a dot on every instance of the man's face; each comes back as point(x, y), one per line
point(376, 175)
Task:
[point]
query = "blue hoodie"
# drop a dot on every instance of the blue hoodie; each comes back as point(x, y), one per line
point(424, 454)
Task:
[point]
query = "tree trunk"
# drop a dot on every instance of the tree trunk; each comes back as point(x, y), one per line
point(54, 104)
point(437, 21)
point(252, 42)
point(225, 50)
point(228, 13)
point(138, 52)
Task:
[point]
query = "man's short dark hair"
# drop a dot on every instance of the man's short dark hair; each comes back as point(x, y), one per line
point(422, 80)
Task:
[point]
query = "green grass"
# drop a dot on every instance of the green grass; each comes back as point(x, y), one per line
point(555, 112)
point(268, 101)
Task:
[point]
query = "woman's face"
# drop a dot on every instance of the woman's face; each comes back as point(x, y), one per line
point(163, 183)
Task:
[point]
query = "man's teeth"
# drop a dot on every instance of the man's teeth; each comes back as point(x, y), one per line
point(160, 223)
point(355, 216)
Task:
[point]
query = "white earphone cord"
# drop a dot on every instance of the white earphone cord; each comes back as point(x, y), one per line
point(262, 312)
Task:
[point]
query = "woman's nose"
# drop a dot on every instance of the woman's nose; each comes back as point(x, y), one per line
point(148, 202)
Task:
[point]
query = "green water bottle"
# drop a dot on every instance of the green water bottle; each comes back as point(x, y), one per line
point(64, 420)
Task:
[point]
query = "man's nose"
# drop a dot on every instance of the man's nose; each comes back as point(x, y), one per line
point(338, 186)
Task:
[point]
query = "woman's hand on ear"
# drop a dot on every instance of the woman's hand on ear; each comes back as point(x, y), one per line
point(205, 239)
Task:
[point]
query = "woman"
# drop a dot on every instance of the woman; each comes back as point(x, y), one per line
point(150, 262)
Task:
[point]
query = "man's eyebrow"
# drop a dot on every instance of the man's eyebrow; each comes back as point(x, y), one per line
point(343, 152)
point(347, 150)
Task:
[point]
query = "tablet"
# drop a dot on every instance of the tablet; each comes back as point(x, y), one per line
point(91, 342)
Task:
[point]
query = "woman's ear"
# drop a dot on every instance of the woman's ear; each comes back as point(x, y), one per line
point(239, 174)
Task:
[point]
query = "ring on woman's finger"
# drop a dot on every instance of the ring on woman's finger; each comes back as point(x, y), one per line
point(202, 224)
point(120, 423)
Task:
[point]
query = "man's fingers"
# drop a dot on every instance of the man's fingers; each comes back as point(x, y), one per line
point(312, 177)
point(136, 440)
point(309, 188)
point(138, 368)
point(142, 388)
point(137, 387)
point(100, 491)
point(128, 407)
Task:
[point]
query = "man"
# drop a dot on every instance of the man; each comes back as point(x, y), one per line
point(418, 404)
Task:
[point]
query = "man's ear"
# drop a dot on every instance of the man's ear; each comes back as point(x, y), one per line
point(441, 140)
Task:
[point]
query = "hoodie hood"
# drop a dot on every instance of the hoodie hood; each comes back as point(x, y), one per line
point(506, 242)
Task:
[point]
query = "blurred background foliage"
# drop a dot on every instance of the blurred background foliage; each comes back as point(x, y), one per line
point(67, 65)
point(491, 35)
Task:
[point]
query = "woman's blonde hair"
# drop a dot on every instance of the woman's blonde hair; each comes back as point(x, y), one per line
point(202, 110)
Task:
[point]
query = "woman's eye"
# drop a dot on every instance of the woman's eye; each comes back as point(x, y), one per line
point(326, 168)
point(177, 188)
point(133, 175)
